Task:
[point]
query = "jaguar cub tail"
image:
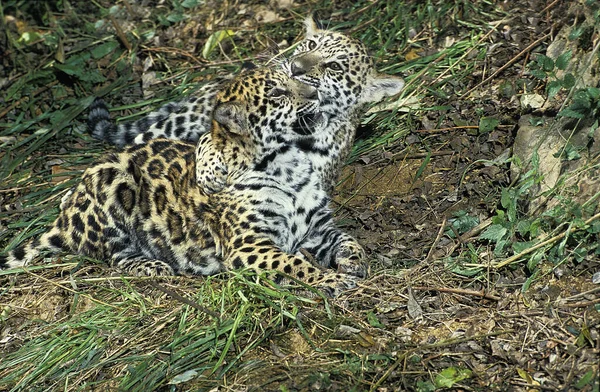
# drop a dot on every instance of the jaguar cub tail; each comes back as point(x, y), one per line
point(99, 123)
point(51, 242)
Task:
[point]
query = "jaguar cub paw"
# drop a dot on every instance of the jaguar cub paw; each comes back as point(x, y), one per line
point(152, 268)
point(333, 284)
point(350, 259)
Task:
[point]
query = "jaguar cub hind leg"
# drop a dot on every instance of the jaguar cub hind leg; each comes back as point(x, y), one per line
point(259, 253)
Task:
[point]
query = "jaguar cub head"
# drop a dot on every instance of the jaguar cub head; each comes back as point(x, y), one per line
point(341, 69)
point(256, 113)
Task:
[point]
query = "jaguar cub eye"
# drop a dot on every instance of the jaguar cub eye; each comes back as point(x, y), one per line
point(277, 92)
point(334, 66)
point(312, 45)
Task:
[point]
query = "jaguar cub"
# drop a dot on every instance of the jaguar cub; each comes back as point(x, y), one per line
point(338, 66)
point(142, 210)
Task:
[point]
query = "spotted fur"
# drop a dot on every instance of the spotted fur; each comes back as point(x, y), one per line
point(142, 210)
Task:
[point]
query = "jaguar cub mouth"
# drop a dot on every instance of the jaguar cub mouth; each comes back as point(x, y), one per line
point(310, 123)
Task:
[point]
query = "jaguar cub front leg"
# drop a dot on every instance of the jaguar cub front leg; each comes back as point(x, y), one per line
point(139, 265)
point(262, 255)
point(350, 258)
point(211, 169)
point(331, 247)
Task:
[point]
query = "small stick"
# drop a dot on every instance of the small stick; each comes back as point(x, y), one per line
point(509, 63)
point(120, 33)
point(474, 293)
point(439, 235)
point(580, 304)
point(68, 289)
point(184, 300)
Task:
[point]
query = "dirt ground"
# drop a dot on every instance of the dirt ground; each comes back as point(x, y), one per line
point(420, 318)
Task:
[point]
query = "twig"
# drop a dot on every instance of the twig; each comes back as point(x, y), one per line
point(580, 304)
point(120, 33)
point(177, 51)
point(446, 129)
point(435, 242)
point(68, 289)
point(481, 294)
point(184, 300)
point(463, 238)
point(551, 240)
point(509, 63)
point(549, 6)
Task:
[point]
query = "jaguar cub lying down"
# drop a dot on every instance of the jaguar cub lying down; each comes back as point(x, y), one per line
point(142, 210)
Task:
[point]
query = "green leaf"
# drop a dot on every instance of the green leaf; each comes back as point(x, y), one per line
point(487, 124)
point(519, 247)
point(538, 73)
point(373, 320)
point(563, 60)
point(425, 386)
point(594, 93)
point(576, 32)
point(570, 113)
point(587, 379)
point(213, 41)
point(553, 87)
point(104, 49)
point(523, 227)
point(530, 280)
point(568, 81)
point(545, 63)
point(423, 166)
point(536, 121)
point(176, 17)
point(494, 233)
point(507, 198)
point(450, 376)
point(190, 3)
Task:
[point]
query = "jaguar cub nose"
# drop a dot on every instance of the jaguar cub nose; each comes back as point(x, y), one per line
point(297, 69)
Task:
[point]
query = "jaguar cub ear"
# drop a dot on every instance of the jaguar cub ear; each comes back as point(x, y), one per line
point(381, 86)
point(232, 115)
point(311, 25)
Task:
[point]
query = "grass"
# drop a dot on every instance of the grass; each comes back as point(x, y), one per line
point(74, 324)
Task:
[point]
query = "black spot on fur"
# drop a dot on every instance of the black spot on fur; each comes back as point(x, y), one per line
point(160, 198)
point(77, 223)
point(19, 253)
point(126, 197)
point(237, 263)
point(91, 221)
point(175, 225)
point(56, 241)
point(155, 168)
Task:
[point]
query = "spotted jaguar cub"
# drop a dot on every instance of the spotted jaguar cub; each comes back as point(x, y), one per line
point(142, 211)
point(338, 66)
